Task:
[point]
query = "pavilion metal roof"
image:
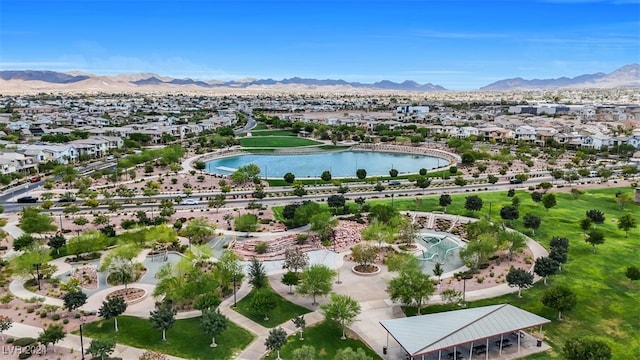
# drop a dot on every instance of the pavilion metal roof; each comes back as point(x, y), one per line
point(428, 333)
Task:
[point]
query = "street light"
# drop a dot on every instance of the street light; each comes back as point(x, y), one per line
point(234, 289)
point(81, 344)
point(37, 266)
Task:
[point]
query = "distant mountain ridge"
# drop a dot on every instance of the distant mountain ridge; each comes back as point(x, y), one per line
point(626, 76)
point(153, 80)
point(43, 80)
point(46, 76)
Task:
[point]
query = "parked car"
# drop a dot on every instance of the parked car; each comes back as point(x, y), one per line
point(190, 202)
point(27, 199)
point(394, 182)
point(35, 179)
point(515, 181)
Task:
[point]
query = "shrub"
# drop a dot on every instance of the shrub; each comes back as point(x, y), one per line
point(25, 341)
point(43, 314)
point(301, 238)
point(55, 317)
point(65, 321)
point(25, 355)
point(261, 247)
point(10, 340)
point(77, 316)
point(30, 309)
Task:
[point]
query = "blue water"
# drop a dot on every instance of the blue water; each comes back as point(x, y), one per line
point(340, 164)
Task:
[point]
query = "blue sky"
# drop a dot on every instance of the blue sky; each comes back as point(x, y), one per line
point(454, 43)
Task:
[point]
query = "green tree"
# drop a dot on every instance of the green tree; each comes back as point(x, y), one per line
point(305, 352)
point(290, 279)
point(213, 323)
point(361, 174)
point(520, 278)
point(276, 340)
point(87, 242)
point(300, 323)
point(198, 230)
point(536, 196)
point(246, 223)
point(364, 255)
point(595, 237)
point(624, 199)
point(531, 221)
point(438, 270)
point(257, 274)
point(22, 242)
point(545, 266)
point(444, 201)
point(74, 299)
point(473, 203)
point(513, 241)
point(411, 287)
point(342, 310)
point(101, 348)
point(626, 223)
point(393, 173)
point(33, 221)
point(509, 213)
point(549, 201)
point(596, 216)
point(289, 178)
point(632, 273)
point(349, 354)
point(22, 265)
point(316, 280)
point(111, 308)
point(560, 298)
point(163, 317)
point(323, 224)
point(218, 201)
point(326, 175)
point(263, 302)
point(52, 334)
point(199, 165)
point(583, 348)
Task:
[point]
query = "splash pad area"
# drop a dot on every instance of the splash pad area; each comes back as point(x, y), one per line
point(439, 247)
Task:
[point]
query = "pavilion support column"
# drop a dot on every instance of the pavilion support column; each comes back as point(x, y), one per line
point(486, 353)
point(471, 350)
point(518, 341)
point(500, 350)
point(455, 353)
point(439, 354)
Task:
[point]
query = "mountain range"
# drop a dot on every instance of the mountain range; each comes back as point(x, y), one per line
point(626, 76)
point(42, 80)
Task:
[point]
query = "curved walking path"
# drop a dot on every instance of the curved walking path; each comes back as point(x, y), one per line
point(369, 291)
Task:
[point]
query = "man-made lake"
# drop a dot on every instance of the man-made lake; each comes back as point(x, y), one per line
point(340, 164)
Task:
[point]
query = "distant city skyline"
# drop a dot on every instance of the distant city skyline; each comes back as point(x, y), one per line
point(456, 44)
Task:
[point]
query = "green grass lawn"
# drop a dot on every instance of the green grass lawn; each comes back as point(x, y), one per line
point(276, 141)
point(272, 133)
point(607, 301)
point(325, 338)
point(185, 339)
point(283, 311)
point(261, 127)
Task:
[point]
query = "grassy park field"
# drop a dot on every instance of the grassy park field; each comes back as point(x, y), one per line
point(607, 305)
point(281, 312)
point(276, 141)
point(325, 338)
point(185, 339)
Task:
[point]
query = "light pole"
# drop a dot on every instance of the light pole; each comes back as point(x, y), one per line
point(81, 344)
point(234, 289)
point(391, 199)
point(61, 229)
point(37, 266)
point(338, 272)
